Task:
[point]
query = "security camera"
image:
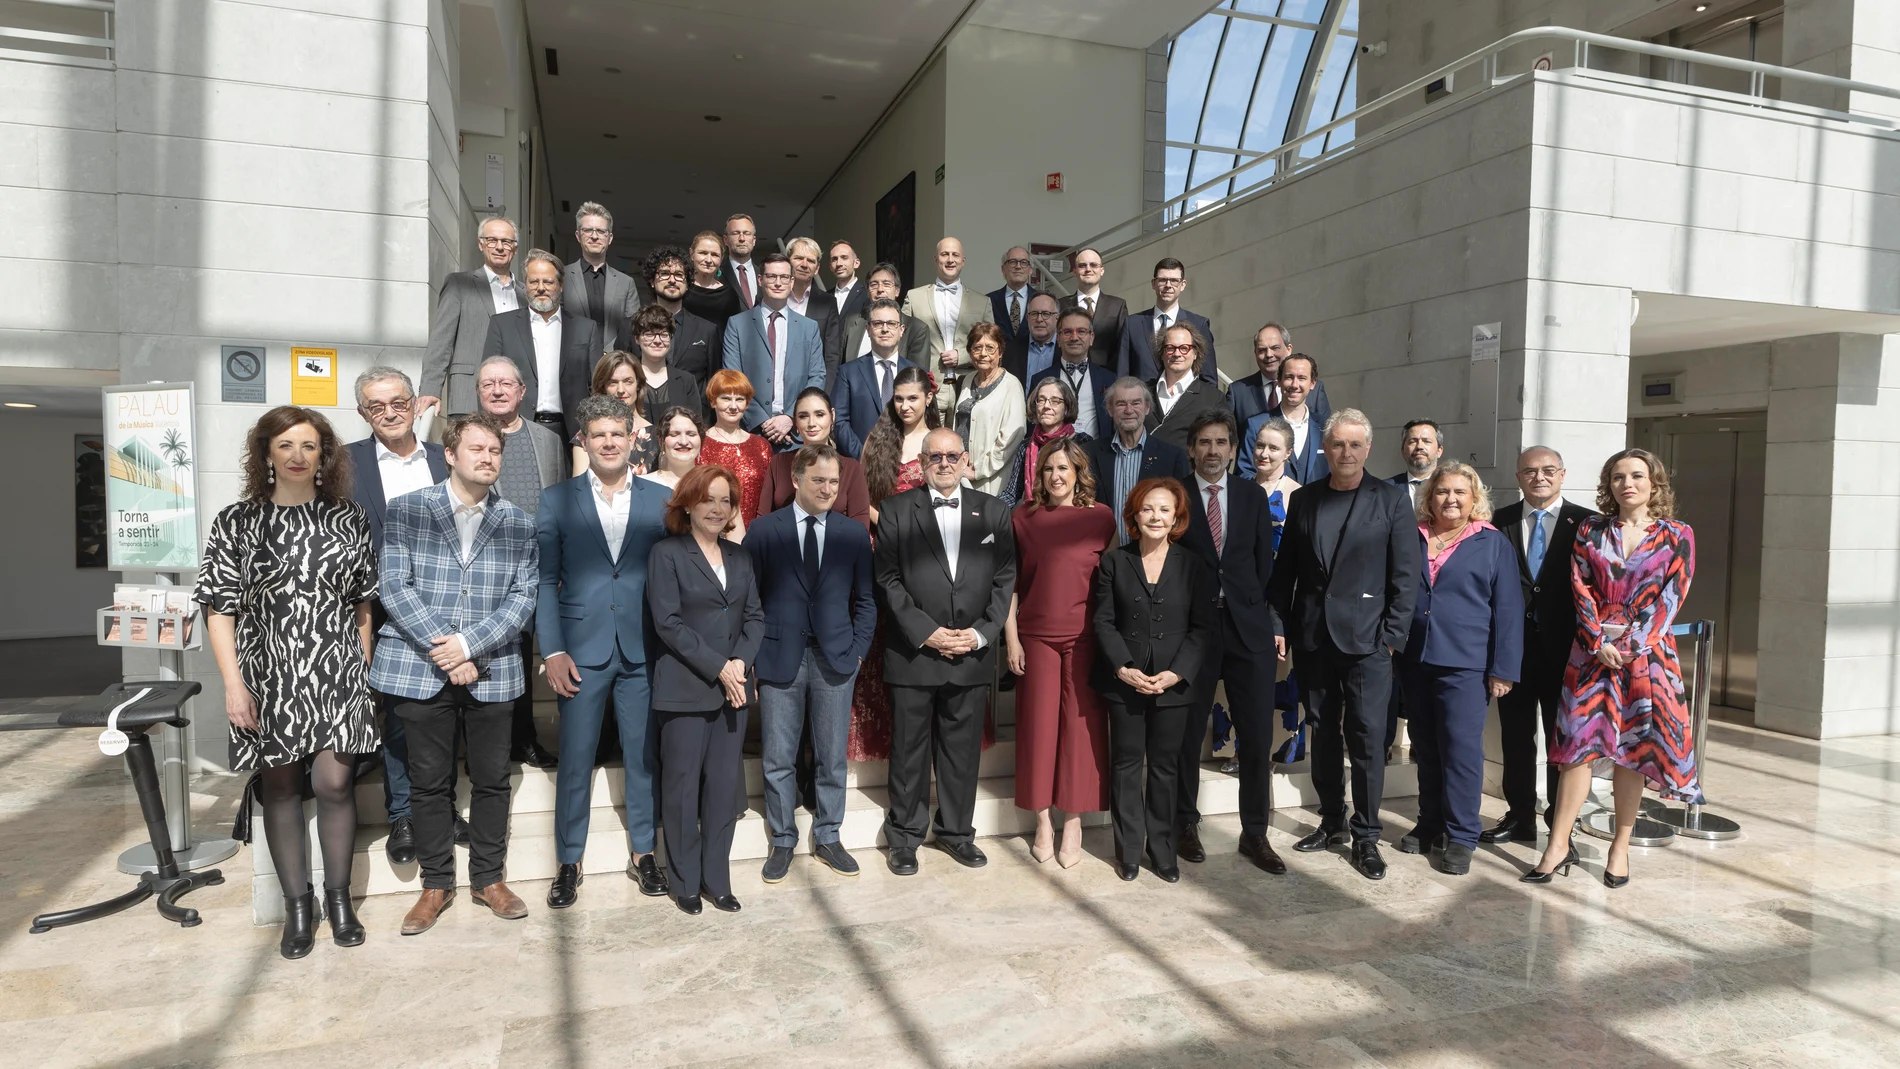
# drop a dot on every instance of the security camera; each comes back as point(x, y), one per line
point(1376, 48)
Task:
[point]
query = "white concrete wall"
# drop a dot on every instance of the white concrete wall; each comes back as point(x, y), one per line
point(912, 140)
point(1727, 378)
point(1022, 105)
point(46, 594)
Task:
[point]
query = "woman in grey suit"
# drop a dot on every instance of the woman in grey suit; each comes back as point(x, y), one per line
point(704, 599)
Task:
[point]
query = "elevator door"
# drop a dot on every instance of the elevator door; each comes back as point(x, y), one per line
point(1717, 465)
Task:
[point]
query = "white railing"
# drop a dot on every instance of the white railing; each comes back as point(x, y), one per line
point(75, 32)
point(1289, 161)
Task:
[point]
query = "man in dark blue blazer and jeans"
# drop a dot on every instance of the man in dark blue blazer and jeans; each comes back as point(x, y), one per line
point(814, 569)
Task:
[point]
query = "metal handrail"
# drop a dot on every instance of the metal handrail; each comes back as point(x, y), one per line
point(1286, 156)
point(30, 41)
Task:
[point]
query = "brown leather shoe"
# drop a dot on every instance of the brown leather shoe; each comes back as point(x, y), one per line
point(497, 897)
point(423, 914)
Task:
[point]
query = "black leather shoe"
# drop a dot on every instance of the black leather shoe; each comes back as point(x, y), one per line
point(567, 886)
point(1171, 873)
point(1454, 859)
point(902, 860)
point(1365, 858)
point(345, 929)
point(836, 857)
point(461, 832)
point(1127, 871)
point(725, 903)
point(1264, 856)
point(688, 904)
point(1511, 829)
point(1322, 839)
point(401, 844)
point(778, 862)
point(300, 922)
point(1189, 848)
point(1562, 869)
point(966, 854)
point(1417, 841)
point(647, 873)
point(532, 755)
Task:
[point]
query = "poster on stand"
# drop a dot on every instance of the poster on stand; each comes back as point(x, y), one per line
point(151, 453)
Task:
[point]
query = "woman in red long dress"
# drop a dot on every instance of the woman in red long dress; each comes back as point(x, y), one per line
point(730, 444)
point(1061, 723)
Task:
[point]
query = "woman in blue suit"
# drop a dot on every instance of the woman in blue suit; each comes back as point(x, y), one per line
point(1465, 649)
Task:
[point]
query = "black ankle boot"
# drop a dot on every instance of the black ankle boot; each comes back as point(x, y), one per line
point(300, 922)
point(345, 929)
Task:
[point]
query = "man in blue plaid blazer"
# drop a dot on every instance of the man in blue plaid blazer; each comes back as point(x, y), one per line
point(460, 567)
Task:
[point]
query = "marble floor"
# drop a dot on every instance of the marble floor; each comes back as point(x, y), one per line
point(1779, 949)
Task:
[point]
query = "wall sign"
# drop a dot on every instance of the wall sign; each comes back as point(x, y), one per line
point(312, 377)
point(151, 455)
point(241, 374)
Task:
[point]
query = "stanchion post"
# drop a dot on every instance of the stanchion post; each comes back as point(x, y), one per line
point(1692, 821)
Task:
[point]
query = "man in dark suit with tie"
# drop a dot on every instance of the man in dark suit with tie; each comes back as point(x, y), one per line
point(1010, 304)
point(556, 352)
point(696, 345)
point(883, 284)
point(742, 236)
point(946, 569)
point(1130, 454)
point(1343, 589)
point(814, 569)
point(1543, 528)
point(1260, 391)
point(591, 288)
point(1300, 405)
point(864, 385)
point(595, 533)
point(779, 352)
point(1086, 379)
point(1231, 526)
point(1141, 343)
point(1108, 312)
point(389, 463)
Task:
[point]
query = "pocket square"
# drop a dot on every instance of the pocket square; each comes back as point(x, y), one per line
point(1365, 595)
point(987, 539)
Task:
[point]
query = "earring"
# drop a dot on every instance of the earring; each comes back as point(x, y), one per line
point(270, 473)
point(319, 476)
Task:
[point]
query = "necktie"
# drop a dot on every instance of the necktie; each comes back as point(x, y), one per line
point(811, 552)
point(771, 335)
point(1534, 556)
point(1088, 305)
point(884, 380)
point(1015, 313)
point(745, 285)
point(1072, 373)
point(1215, 526)
point(943, 502)
point(1161, 329)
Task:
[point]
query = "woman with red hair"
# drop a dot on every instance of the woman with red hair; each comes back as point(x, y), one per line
point(728, 443)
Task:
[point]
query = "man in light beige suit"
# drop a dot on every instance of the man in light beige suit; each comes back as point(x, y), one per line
point(948, 309)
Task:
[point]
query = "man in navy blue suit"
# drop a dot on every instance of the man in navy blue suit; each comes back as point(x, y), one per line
point(864, 385)
point(779, 351)
point(1010, 305)
point(1088, 380)
point(1138, 341)
point(814, 569)
point(595, 532)
point(1305, 410)
point(1260, 391)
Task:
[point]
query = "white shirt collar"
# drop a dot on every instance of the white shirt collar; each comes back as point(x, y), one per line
point(383, 452)
point(594, 482)
point(1221, 482)
point(538, 319)
point(799, 516)
point(493, 278)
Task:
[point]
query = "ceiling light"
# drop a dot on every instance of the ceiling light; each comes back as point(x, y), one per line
point(791, 155)
point(606, 191)
point(679, 217)
point(1701, 8)
point(738, 55)
point(611, 137)
point(829, 96)
point(712, 118)
point(21, 404)
point(611, 70)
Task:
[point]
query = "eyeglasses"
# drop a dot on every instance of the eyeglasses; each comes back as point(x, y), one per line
point(1173, 349)
point(886, 324)
point(656, 335)
point(1041, 313)
point(1531, 473)
point(940, 459)
point(1017, 262)
point(1170, 281)
point(595, 231)
point(499, 243)
point(375, 409)
point(1075, 332)
point(669, 276)
point(777, 277)
point(492, 384)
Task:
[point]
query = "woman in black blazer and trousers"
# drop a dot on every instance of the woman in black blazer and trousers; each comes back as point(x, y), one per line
point(1154, 619)
point(704, 598)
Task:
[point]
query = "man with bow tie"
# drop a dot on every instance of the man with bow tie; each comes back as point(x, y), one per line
point(948, 308)
point(945, 570)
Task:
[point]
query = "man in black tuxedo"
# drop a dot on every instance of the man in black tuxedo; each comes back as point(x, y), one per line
point(945, 571)
point(1130, 454)
point(696, 342)
point(556, 352)
point(1543, 528)
point(1231, 526)
point(1109, 312)
point(1343, 589)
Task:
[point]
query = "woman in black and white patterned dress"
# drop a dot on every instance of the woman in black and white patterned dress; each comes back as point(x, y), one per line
point(287, 581)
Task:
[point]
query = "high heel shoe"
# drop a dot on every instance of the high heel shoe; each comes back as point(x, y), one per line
point(299, 925)
point(1041, 853)
point(345, 929)
point(1614, 881)
point(1563, 868)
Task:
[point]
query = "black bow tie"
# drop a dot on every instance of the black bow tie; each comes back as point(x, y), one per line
point(943, 502)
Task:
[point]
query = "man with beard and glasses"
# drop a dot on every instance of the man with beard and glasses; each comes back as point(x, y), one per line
point(555, 352)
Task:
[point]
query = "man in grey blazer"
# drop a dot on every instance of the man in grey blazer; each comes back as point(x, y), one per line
point(462, 309)
point(590, 289)
point(948, 309)
point(779, 352)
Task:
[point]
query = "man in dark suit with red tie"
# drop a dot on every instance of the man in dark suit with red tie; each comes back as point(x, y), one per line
point(945, 572)
point(1543, 528)
point(1108, 312)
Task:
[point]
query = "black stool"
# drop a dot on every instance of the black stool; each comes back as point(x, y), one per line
point(161, 706)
